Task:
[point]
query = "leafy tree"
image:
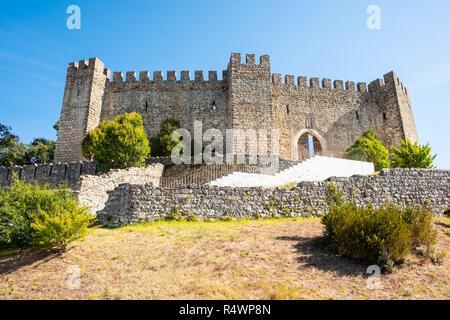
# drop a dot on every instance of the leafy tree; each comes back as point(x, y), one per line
point(13, 155)
point(413, 155)
point(6, 137)
point(117, 144)
point(12, 151)
point(368, 147)
point(162, 144)
point(40, 150)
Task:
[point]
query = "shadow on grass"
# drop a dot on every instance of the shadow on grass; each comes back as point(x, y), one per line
point(443, 227)
point(442, 224)
point(14, 259)
point(316, 253)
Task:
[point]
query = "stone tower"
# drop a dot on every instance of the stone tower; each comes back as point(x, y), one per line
point(82, 103)
point(250, 97)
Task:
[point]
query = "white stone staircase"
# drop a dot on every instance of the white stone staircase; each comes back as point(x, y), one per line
point(317, 168)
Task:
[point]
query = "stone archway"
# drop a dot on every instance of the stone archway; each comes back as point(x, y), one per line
point(307, 143)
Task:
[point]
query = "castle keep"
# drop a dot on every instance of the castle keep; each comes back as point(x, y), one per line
point(326, 115)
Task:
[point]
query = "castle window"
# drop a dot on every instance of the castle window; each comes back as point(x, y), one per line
point(357, 115)
point(78, 93)
point(146, 106)
point(213, 106)
point(384, 116)
point(287, 109)
point(309, 123)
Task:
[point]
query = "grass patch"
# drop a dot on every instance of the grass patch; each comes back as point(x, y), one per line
point(282, 258)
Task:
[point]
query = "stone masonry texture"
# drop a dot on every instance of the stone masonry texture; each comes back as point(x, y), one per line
point(248, 96)
point(130, 204)
point(91, 190)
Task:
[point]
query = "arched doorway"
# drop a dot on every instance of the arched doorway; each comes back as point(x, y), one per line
point(307, 145)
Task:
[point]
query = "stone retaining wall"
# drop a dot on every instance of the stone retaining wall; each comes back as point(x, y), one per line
point(130, 204)
point(92, 190)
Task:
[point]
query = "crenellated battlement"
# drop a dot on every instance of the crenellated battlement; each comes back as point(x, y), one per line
point(169, 76)
point(86, 66)
point(52, 173)
point(316, 83)
point(236, 60)
point(389, 80)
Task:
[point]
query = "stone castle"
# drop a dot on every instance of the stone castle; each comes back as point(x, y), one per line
point(326, 116)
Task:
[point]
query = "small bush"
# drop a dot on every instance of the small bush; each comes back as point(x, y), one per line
point(174, 214)
point(420, 221)
point(61, 225)
point(362, 233)
point(25, 212)
point(192, 218)
point(384, 235)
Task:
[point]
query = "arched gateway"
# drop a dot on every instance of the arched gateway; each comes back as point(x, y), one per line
point(307, 143)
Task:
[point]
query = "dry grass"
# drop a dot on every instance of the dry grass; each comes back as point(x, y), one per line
point(262, 259)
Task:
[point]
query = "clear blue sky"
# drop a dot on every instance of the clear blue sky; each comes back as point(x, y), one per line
point(312, 38)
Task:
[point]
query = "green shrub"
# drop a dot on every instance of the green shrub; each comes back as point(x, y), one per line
point(118, 144)
point(334, 195)
point(162, 144)
point(413, 155)
point(192, 218)
point(362, 233)
point(420, 221)
point(384, 235)
point(174, 214)
point(61, 225)
point(368, 147)
point(22, 204)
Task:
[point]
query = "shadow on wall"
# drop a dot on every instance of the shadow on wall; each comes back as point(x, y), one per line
point(378, 117)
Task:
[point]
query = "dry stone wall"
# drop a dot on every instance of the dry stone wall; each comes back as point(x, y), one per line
point(92, 190)
point(130, 204)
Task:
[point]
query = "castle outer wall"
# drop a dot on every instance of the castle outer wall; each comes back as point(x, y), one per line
point(248, 96)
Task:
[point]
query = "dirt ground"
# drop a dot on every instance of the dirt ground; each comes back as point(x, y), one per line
point(260, 259)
